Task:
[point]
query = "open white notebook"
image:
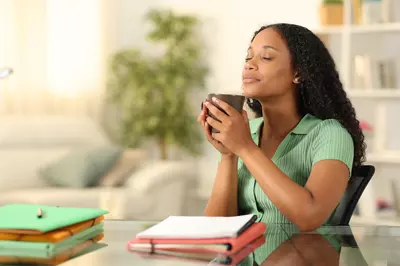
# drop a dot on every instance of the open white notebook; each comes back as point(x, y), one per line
point(198, 227)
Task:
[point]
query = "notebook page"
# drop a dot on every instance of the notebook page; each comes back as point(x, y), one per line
point(197, 227)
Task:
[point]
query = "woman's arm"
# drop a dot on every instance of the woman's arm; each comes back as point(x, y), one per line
point(331, 154)
point(223, 200)
point(307, 207)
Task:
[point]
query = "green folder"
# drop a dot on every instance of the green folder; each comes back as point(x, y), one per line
point(92, 248)
point(25, 217)
point(47, 250)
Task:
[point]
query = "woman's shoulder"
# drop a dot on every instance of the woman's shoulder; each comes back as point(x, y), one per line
point(328, 131)
point(330, 127)
point(329, 139)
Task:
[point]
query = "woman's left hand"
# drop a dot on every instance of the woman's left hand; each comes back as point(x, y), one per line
point(234, 129)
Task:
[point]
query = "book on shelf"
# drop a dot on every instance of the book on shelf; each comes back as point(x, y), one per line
point(396, 11)
point(375, 73)
point(375, 12)
point(357, 11)
point(396, 197)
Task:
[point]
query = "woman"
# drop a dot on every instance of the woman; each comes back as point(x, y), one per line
point(292, 163)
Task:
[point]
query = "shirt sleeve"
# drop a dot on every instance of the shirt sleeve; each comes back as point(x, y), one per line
point(333, 142)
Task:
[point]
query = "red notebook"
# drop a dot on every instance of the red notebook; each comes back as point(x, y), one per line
point(226, 245)
point(226, 260)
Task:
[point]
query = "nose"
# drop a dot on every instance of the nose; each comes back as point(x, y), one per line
point(250, 65)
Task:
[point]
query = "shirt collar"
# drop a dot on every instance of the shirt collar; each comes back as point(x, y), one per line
point(302, 128)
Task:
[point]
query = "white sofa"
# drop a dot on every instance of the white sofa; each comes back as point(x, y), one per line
point(152, 192)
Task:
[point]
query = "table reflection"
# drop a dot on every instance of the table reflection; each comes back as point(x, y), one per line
point(285, 245)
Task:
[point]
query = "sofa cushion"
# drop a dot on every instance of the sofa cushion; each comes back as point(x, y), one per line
point(19, 167)
point(81, 168)
point(129, 161)
point(158, 174)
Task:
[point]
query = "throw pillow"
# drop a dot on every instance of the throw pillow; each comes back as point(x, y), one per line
point(128, 162)
point(81, 168)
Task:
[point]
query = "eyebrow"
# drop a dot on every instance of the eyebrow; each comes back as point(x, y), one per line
point(264, 47)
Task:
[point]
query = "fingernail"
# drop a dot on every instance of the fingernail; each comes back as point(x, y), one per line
point(206, 103)
point(214, 99)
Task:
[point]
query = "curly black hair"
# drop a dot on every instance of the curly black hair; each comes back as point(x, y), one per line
point(320, 90)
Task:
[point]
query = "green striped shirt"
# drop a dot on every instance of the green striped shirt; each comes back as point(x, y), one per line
point(311, 141)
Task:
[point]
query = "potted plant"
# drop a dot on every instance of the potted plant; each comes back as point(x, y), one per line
point(151, 92)
point(331, 12)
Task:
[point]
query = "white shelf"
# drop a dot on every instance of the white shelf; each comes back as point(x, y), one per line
point(329, 30)
point(356, 29)
point(390, 221)
point(387, 158)
point(349, 41)
point(390, 94)
point(375, 28)
point(385, 217)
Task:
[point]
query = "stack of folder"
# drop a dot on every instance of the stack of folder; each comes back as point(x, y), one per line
point(38, 234)
point(224, 240)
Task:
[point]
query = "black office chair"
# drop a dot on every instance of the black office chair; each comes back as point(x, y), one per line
point(356, 185)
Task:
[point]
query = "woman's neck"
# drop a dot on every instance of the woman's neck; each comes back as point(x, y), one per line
point(279, 121)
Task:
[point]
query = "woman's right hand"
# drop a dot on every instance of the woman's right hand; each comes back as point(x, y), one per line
point(207, 132)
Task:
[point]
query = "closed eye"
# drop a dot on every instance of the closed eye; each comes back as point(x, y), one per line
point(264, 58)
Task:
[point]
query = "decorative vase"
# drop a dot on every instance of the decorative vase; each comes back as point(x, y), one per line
point(331, 14)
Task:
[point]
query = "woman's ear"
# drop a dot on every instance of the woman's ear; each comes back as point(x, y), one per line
point(296, 79)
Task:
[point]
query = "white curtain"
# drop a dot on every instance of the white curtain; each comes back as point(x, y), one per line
point(58, 51)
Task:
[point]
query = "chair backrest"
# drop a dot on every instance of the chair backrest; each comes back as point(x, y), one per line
point(356, 185)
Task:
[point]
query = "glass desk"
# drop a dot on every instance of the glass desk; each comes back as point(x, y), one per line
point(284, 245)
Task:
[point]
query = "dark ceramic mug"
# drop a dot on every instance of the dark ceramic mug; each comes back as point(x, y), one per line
point(234, 100)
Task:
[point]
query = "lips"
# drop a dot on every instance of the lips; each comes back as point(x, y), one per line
point(250, 79)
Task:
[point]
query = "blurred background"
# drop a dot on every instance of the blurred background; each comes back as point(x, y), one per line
point(100, 110)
